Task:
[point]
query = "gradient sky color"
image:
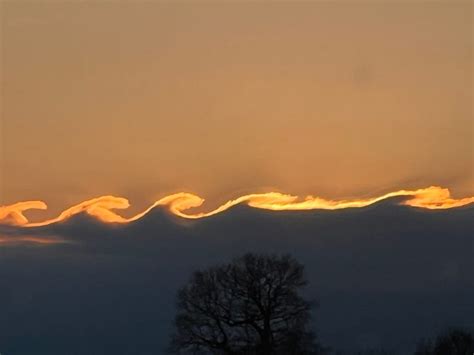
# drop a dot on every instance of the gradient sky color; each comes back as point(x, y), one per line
point(142, 99)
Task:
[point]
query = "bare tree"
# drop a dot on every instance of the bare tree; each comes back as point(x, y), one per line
point(249, 306)
point(453, 342)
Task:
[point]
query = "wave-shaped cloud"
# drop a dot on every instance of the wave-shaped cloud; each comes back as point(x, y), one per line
point(102, 208)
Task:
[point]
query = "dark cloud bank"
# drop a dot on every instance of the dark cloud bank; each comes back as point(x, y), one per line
point(385, 275)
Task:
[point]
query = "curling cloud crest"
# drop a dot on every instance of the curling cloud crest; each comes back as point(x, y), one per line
point(102, 208)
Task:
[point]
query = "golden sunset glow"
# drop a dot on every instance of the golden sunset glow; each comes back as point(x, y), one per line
point(28, 239)
point(433, 197)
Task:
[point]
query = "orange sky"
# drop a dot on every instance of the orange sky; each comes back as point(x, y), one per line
point(142, 99)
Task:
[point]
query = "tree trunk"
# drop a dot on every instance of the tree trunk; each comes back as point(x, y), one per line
point(266, 337)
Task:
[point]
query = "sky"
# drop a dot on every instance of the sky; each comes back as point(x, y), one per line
point(143, 99)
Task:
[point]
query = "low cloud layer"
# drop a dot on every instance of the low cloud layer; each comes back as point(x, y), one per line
point(384, 275)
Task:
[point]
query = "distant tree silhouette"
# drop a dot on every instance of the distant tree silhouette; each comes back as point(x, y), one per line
point(375, 352)
point(452, 342)
point(249, 306)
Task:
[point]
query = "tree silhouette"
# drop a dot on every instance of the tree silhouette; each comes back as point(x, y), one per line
point(453, 342)
point(249, 306)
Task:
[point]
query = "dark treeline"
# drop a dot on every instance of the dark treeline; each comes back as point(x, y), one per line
point(254, 305)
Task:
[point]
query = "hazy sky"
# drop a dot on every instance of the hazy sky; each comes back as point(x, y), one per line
point(140, 99)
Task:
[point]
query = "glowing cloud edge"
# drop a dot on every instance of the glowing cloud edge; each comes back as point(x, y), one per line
point(433, 197)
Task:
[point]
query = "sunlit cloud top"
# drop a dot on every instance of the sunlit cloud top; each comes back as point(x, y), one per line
point(103, 208)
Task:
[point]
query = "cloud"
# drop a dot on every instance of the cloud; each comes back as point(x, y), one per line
point(383, 274)
point(101, 208)
point(24, 239)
